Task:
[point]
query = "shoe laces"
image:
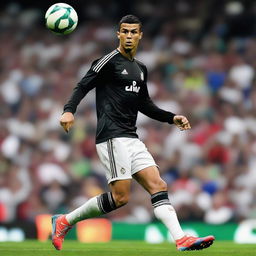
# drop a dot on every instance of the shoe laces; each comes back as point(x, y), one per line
point(63, 231)
point(191, 238)
point(186, 239)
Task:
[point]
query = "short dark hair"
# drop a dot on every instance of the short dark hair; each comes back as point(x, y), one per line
point(130, 19)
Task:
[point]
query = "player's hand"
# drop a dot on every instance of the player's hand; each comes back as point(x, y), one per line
point(181, 122)
point(67, 120)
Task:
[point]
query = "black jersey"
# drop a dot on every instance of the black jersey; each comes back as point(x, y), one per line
point(121, 91)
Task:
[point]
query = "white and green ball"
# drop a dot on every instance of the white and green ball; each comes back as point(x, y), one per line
point(61, 18)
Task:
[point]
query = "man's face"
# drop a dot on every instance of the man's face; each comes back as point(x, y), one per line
point(129, 36)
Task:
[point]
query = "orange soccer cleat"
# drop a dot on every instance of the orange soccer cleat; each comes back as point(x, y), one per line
point(190, 243)
point(60, 228)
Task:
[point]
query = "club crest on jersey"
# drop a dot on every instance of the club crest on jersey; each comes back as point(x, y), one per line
point(132, 87)
point(124, 72)
point(142, 76)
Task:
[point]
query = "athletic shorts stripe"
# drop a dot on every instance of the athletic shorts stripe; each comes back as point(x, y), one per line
point(112, 159)
point(104, 60)
point(112, 153)
point(110, 162)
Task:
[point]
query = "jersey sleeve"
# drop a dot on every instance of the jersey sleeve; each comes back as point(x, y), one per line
point(148, 108)
point(87, 83)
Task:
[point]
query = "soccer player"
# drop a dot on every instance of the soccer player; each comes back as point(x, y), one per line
point(121, 91)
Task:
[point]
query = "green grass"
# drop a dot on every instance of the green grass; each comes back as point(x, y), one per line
point(122, 248)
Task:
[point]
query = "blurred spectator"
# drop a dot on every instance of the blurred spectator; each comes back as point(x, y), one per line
point(220, 212)
point(14, 190)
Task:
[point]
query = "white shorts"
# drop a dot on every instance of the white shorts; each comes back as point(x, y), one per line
point(123, 157)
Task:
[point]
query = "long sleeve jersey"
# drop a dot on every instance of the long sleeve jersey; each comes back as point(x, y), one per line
point(121, 91)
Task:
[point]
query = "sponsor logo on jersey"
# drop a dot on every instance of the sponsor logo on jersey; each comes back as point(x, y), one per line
point(132, 87)
point(124, 72)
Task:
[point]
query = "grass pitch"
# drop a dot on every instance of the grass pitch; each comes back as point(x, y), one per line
point(120, 248)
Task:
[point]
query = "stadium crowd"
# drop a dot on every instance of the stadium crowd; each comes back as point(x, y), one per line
point(202, 67)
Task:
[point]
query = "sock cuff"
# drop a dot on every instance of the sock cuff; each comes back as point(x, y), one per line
point(106, 202)
point(160, 198)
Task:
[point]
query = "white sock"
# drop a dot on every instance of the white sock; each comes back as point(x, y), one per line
point(88, 210)
point(167, 214)
point(94, 207)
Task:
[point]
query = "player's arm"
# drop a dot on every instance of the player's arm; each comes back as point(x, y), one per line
point(87, 83)
point(148, 108)
point(181, 122)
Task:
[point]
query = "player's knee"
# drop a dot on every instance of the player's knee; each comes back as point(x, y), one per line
point(121, 199)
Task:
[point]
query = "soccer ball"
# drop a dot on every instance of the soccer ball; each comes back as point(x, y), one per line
point(61, 18)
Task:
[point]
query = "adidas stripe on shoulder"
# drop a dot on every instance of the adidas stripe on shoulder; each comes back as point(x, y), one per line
point(104, 60)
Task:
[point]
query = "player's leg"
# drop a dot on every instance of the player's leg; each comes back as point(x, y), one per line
point(102, 204)
point(115, 158)
point(151, 181)
point(145, 172)
point(120, 190)
point(96, 206)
